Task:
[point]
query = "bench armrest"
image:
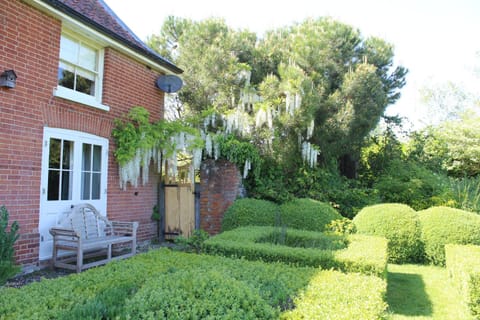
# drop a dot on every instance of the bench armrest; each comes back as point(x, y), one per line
point(60, 232)
point(124, 228)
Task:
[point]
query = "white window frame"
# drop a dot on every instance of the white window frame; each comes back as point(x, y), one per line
point(94, 101)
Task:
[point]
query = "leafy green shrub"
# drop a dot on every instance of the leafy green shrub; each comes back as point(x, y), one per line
point(342, 226)
point(194, 243)
point(466, 193)
point(365, 254)
point(250, 212)
point(463, 266)
point(307, 214)
point(334, 295)
point(412, 184)
point(442, 225)
point(198, 295)
point(7, 240)
point(399, 224)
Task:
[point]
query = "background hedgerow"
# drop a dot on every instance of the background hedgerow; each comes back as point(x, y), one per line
point(443, 225)
point(399, 224)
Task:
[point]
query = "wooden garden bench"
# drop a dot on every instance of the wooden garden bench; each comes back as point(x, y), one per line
point(85, 233)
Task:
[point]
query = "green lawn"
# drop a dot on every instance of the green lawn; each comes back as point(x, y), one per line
point(422, 292)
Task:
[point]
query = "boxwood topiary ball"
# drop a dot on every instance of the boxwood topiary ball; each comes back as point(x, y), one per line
point(443, 225)
point(250, 212)
point(307, 214)
point(398, 223)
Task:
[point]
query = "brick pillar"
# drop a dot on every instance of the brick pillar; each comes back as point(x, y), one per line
point(221, 184)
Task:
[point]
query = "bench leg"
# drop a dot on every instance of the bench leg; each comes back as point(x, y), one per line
point(109, 252)
point(79, 259)
point(54, 254)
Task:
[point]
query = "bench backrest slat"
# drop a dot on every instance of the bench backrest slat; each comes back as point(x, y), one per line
point(87, 222)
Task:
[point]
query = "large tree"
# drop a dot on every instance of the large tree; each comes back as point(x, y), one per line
point(318, 82)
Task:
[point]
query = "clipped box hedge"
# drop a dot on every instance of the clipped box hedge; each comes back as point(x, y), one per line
point(399, 224)
point(250, 212)
point(338, 296)
point(163, 284)
point(463, 266)
point(364, 254)
point(305, 214)
point(444, 225)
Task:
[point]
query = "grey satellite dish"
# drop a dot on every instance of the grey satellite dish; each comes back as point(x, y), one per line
point(169, 83)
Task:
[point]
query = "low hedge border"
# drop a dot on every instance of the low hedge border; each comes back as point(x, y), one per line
point(364, 254)
point(163, 284)
point(116, 291)
point(335, 295)
point(463, 266)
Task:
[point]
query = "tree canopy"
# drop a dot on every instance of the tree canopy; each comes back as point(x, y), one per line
point(315, 85)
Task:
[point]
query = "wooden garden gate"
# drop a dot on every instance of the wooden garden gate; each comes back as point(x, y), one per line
point(180, 210)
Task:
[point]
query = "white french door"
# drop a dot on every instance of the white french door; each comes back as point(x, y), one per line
point(74, 170)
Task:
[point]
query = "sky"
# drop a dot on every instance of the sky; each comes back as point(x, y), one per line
point(436, 40)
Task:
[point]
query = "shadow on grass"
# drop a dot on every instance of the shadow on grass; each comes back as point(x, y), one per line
point(406, 295)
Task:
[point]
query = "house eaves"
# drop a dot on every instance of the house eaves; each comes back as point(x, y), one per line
point(120, 37)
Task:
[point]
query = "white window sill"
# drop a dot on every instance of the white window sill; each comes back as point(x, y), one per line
point(78, 97)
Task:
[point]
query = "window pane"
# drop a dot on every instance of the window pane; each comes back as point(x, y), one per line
point(97, 158)
point(87, 154)
point(53, 184)
point(54, 155)
point(88, 58)
point(85, 185)
point(68, 50)
point(66, 186)
point(67, 154)
point(95, 186)
point(85, 85)
point(66, 75)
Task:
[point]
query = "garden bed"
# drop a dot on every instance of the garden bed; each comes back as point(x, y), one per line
point(359, 253)
point(164, 284)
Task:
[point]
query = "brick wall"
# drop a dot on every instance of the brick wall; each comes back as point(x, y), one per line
point(221, 184)
point(29, 44)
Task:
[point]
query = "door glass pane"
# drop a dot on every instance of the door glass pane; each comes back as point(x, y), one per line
point(96, 186)
point(60, 161)
point(91, 171)
point(86, 156)
point(97, 158)
point(85, 185)
point(54, 158)
point(67, 154)
point(53, 184)
point(66, 185)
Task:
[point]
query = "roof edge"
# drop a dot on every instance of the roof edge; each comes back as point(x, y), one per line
point(149, 54)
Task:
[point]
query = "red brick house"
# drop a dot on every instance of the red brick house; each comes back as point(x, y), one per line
point(78, 68)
